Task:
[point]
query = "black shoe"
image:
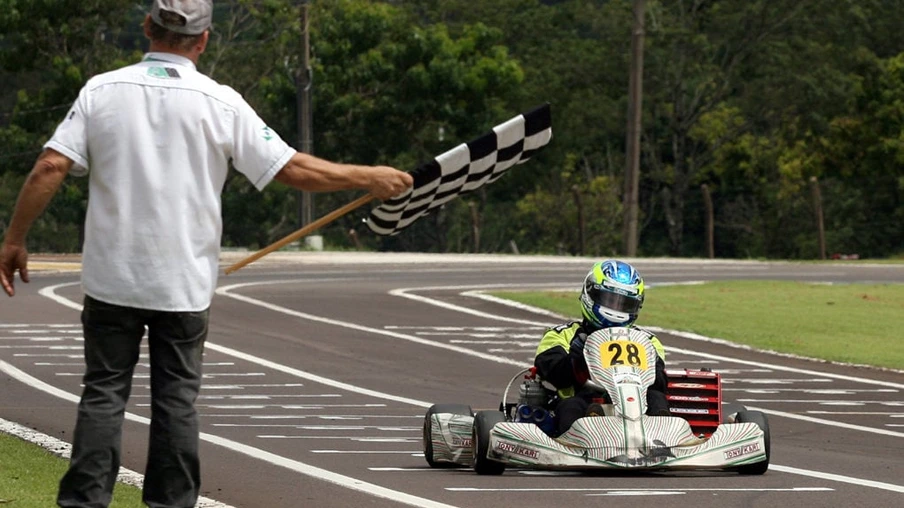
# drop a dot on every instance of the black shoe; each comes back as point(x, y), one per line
point(595, 409)
point(657, 404)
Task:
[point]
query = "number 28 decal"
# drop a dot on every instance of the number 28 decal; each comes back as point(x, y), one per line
point(623, 353)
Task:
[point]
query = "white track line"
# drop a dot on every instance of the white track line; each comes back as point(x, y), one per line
point(406, 293)
point(838, 478)
point(477, 292)
point(64, 450)
point(310, 317)
point(49, 292)
point(635, 489)
point(300, 467)
point(272, 458)
point(822, 421)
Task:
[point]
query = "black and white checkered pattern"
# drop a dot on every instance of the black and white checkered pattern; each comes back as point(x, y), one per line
point(463, 169)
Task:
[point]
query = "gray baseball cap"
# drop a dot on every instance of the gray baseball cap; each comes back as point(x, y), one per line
point(190, 17)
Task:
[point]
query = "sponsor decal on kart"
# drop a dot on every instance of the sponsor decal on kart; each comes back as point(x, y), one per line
point(629, 378)
point(658, 453)
point(700, 373)
point(742, 450)
point(689, 385)
point(518, 450)
point(461, 442)
point(689, 398)
point(690, 410)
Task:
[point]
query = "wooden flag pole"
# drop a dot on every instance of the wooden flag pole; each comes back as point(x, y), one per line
point(310, 228)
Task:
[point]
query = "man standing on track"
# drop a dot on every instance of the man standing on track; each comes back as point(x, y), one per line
point(158, 138)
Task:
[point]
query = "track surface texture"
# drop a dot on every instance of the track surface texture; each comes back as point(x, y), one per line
point(319, 368)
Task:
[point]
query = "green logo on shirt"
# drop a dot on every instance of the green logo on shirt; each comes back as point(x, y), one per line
point(163, 72)
point(268, 134)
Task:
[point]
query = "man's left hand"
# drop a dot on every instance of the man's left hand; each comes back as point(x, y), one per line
point(12, 258)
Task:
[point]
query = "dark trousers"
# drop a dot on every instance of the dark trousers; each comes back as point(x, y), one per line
point(112, 338)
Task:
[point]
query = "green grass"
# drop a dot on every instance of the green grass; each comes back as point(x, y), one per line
point(29, 476)
point(851, 323)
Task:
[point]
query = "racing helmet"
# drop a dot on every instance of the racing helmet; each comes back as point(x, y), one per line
point(612, 294)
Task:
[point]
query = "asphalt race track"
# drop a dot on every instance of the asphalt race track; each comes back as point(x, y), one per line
point(319, 368)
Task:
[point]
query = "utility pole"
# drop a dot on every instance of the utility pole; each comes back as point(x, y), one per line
point(820, 224)
point(632, 148)
point(709, 220)
point(579, 204)
point(303, 79)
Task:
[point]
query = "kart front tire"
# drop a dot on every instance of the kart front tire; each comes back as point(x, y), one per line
point(484, 421)
point(758, 418)
point(457, 409)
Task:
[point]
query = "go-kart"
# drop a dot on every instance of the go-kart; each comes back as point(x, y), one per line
point(700, 434)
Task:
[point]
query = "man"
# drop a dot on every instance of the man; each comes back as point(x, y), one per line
point(157, 138)
point(612, 295)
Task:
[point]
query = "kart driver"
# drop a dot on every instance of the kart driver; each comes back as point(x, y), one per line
point(612, 295)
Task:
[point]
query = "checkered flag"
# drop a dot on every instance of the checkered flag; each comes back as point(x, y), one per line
point(463, 169)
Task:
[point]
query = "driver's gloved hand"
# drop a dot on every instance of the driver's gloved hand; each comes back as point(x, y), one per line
point(576, 354)
point(576, 349)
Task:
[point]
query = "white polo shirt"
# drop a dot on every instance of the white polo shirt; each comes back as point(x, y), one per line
point(157, 138)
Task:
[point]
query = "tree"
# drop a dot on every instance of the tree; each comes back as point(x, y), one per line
point(699, 57)
point(390, 91)
point(575, 56)
point(47, 51)
point(800, 101)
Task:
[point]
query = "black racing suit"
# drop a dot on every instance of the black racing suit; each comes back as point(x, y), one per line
point(555, 366)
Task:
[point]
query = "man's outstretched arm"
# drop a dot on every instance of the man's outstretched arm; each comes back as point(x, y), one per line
point(310, 173)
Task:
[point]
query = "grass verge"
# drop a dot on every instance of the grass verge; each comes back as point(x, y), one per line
point(29, 476)
point(850, 323)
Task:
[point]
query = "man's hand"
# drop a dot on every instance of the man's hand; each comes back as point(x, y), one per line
point(387, 182)
point(12, 257)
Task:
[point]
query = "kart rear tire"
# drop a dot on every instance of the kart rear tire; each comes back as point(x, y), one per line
point(729, 408)
point(457, 409)
point(484, 421)
point(758, 418)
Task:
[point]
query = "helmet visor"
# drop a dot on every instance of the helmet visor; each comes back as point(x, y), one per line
point(614, 301)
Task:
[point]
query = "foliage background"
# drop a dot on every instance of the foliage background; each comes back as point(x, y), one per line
point(751, 97)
